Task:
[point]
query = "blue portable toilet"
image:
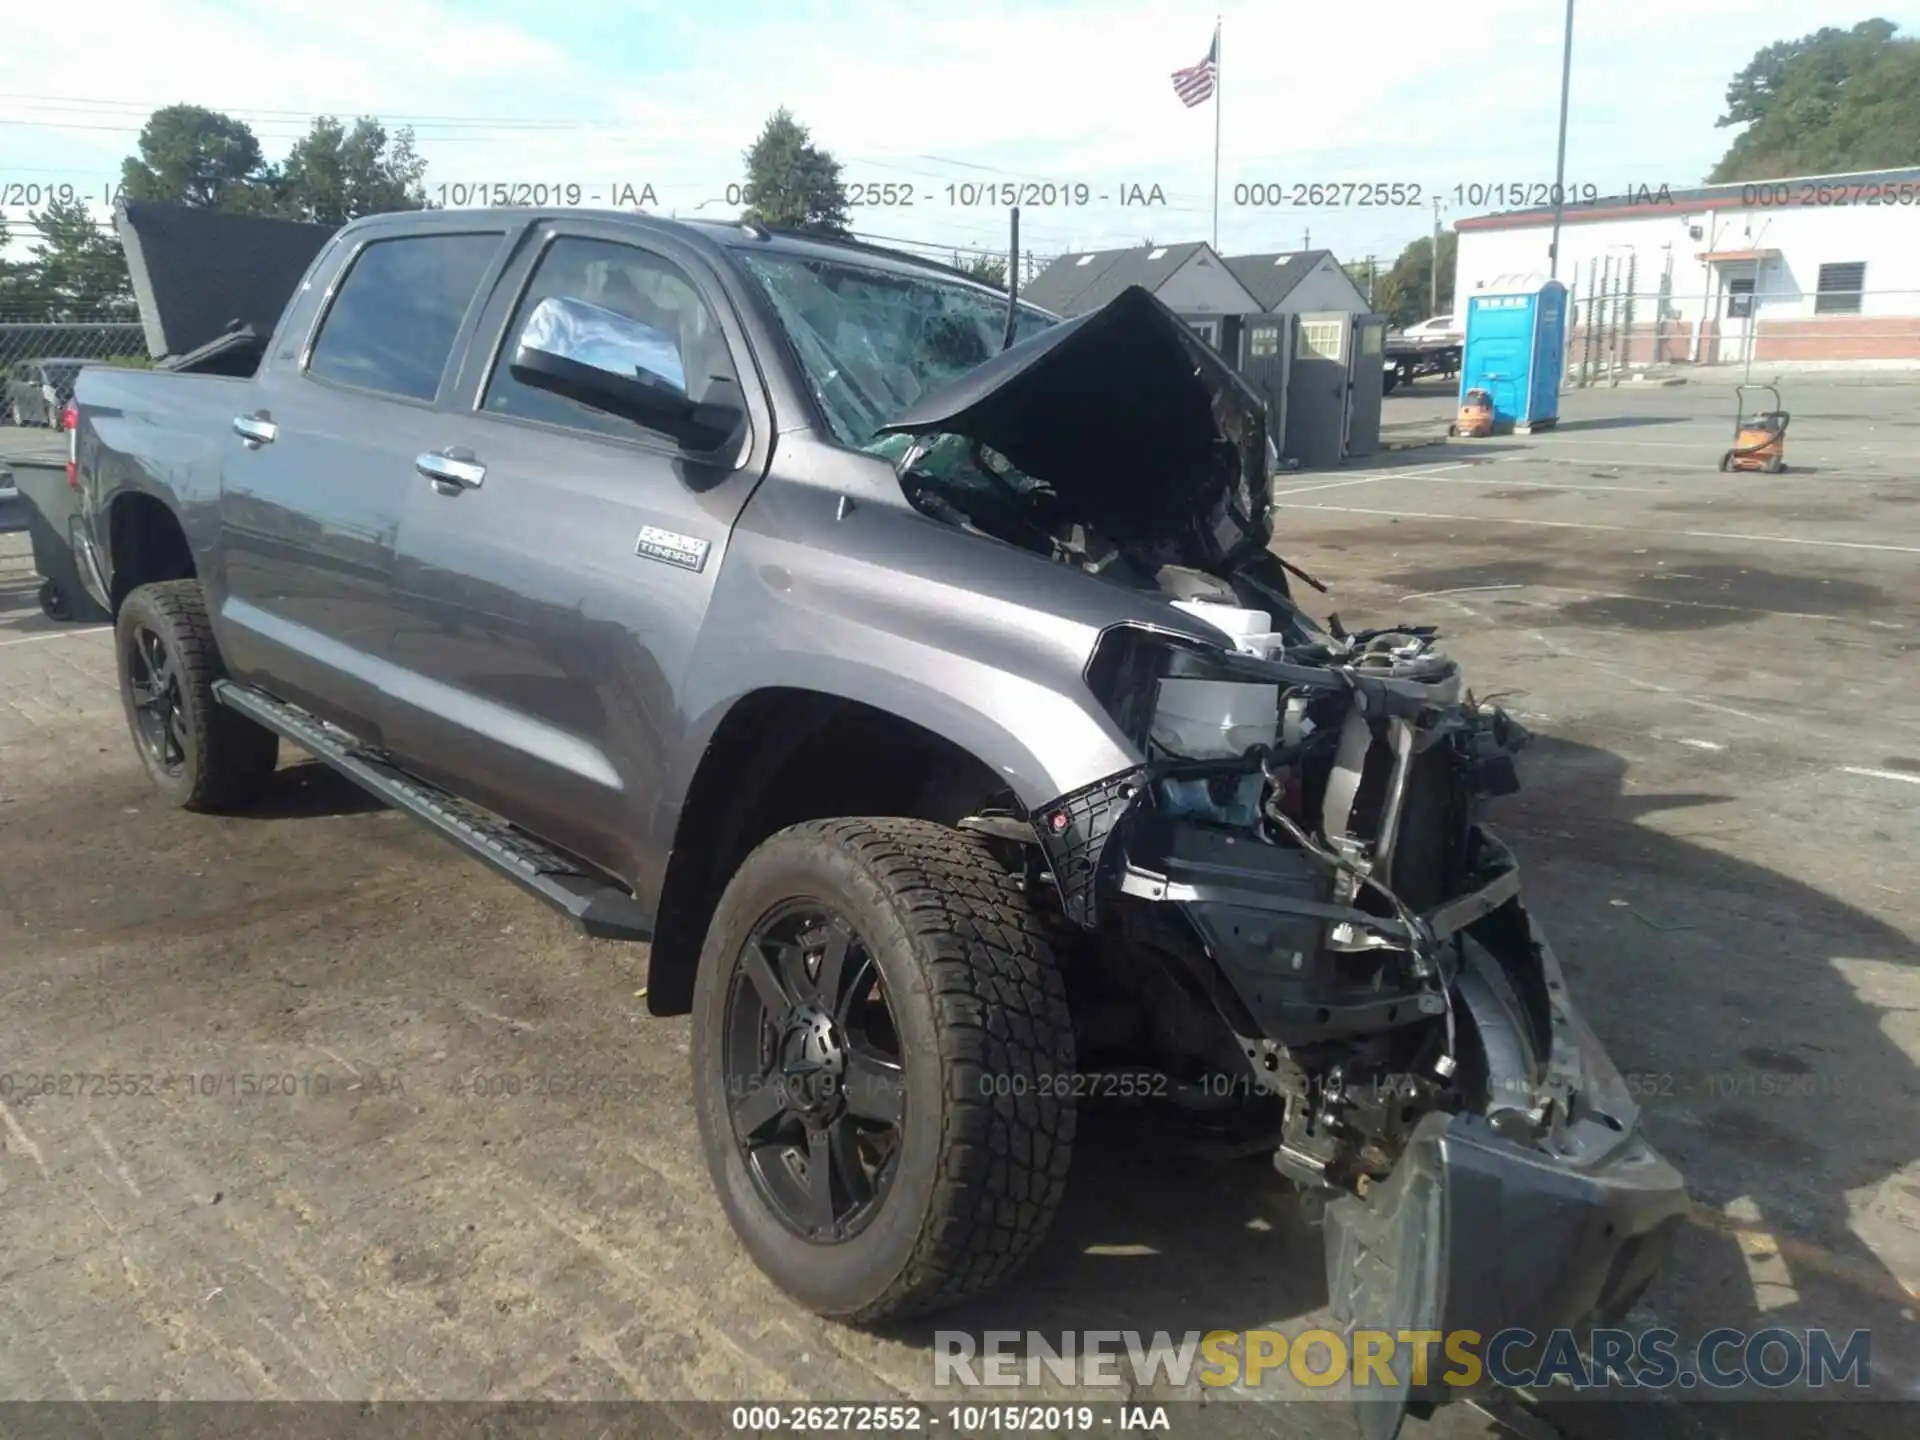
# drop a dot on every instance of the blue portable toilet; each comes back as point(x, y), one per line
point(1515, 350)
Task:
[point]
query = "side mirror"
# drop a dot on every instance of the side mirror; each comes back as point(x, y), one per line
point(625, 367)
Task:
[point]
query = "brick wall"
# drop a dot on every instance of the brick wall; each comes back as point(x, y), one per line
point(1830, 337)
point(1840, 337)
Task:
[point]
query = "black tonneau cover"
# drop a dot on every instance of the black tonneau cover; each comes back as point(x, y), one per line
point(211, 286)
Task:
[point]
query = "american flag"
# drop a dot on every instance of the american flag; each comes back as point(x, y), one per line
point(1194, 85)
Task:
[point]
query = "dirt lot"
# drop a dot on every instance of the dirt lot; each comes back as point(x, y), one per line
point(1719, 808)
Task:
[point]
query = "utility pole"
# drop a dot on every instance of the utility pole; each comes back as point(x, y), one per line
point(1434, 278)
point(1306, 239)
point(1370, 282)
point(1560, 161)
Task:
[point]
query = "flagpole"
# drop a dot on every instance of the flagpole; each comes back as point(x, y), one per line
point(1217, 103)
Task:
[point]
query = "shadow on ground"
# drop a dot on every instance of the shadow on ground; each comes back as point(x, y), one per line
point(308, 790)
point(1619, 422)
point(1150, 1239)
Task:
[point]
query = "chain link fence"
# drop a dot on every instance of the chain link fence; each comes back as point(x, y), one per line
point(40, 358)
point(1616, 328)
point(35, 349)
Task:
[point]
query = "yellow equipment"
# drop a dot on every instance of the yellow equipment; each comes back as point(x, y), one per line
point(1476, 414)
point(1759, 436)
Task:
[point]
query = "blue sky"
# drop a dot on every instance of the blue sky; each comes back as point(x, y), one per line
point(602, 93)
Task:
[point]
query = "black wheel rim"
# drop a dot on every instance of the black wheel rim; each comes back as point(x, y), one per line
point(159, 717)
point(815, 1084)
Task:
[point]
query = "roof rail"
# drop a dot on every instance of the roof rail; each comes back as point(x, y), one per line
point(868, 247)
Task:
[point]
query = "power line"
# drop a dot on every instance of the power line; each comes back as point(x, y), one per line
point(518, 126)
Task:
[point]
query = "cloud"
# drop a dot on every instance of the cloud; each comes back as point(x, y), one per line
point(602, 93)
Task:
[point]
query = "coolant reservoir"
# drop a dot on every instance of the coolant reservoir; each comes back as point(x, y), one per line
point(1216, 720)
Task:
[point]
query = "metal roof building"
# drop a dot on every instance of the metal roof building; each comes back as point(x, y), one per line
point(1298, 280)
point(1191, 280)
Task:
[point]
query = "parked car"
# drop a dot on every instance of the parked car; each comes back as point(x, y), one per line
point(1432, 347)
point(38, 390)
point(1439, 328)
point(938, 711)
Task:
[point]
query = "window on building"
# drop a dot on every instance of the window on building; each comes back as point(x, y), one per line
point(1320, 338)
point(1840, 287)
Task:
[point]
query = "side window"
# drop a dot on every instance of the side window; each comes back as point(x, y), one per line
point(658, 323)
point(391, 327)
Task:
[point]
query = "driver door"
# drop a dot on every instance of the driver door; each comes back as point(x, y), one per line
point(548, 595)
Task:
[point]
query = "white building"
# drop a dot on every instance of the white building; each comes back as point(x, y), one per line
point(1819, 268)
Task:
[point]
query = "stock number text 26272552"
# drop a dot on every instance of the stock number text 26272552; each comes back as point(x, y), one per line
point(1328, 195)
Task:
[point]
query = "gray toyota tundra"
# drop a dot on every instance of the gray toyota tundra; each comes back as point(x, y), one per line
point(913, 672)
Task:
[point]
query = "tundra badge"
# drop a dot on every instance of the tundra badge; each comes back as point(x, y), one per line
point(683, 550)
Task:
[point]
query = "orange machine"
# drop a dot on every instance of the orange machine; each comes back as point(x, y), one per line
point(1476, 414)
point(1759, 436)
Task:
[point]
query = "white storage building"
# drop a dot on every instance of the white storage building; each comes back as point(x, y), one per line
point(1818, 268)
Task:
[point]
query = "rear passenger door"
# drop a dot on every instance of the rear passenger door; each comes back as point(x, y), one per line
point(545, 607)
point(321, 463)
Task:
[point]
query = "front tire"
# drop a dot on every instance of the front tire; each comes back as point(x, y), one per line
point(199, 754)
point(881, 1056)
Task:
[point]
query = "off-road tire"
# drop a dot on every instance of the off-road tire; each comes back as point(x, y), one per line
point(228, 758)
point(986, 1041)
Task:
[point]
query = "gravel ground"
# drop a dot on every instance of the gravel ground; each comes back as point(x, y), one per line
point(1720, 803)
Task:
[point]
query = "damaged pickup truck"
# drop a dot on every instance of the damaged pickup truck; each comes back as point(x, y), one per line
point(913, 671)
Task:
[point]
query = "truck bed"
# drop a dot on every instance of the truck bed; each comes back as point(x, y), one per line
point(153, 426)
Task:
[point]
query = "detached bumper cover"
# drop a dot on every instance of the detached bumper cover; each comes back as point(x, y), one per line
point(1478, 1231)
point(1473, 1232)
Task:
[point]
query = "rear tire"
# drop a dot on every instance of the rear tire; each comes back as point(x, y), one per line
point(1726, 461)
point(981, 1048)
point(199, 754)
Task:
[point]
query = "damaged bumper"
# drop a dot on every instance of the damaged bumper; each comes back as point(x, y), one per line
point(1485, 1224)
point(1478, 1233)
point(1540, 1206)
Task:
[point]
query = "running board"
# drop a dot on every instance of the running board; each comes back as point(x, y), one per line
point(597, 906)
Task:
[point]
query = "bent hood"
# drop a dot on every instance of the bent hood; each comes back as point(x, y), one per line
point(1140, 429)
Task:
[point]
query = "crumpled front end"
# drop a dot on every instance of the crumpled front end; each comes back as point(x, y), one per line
point(1329, 890)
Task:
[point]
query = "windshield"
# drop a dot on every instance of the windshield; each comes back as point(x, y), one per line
point(61, 376)
point(874, 341)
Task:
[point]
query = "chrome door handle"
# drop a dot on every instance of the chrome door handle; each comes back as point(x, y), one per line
point(256, 430)
point(451, 471)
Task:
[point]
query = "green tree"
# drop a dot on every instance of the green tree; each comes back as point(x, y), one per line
point(1835, 100)
point(193, 156)
point(333, 174)
point(791, 183)
point(78, 271)
point(987, 269)
point(19, 297)
point(1405, 293)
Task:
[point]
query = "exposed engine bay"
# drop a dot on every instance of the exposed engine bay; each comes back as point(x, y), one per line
point(1291, 903)
point(1312, 833)
point(1293, 906)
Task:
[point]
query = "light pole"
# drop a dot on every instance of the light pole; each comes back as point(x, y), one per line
point(1560, 163)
